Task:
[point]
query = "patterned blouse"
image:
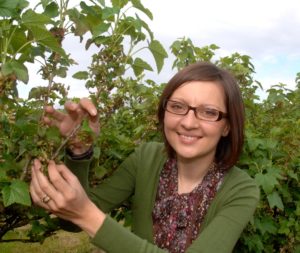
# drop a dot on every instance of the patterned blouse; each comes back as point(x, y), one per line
point(177, 217)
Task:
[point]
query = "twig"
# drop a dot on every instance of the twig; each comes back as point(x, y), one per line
point(74, 131)
point(25, 169)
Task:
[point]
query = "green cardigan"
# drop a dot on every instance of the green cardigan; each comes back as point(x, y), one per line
point(137, 177)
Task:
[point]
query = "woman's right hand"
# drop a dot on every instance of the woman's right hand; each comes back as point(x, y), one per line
point(73, 116)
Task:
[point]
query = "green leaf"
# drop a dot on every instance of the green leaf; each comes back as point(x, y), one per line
point(253, 143)
point(32, 18)
point(102, 2)
point(159, 54)
point(16, 192)
point(266, 224)
point(17, 68)
point(52, 10)
point(145, 25)
point(267, 181)
point(45, 38)
point(275, 200)
point(81, 75)
point(37, 92)
point(8, 7)
point(139, 66)
point(293, 175)
point(61, 72)
point(138, 5)
point(119, 3)
point(99, 29)
point(109, 12)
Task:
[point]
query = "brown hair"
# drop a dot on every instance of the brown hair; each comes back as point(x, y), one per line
point(230, 146)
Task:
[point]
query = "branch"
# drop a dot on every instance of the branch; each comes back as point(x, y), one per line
point(63, 144)
point(25, 169)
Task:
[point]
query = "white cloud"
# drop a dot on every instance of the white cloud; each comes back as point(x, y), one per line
point(266, 30)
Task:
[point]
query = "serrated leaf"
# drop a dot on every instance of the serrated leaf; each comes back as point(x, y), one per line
point(9, 4)
point(109, 12)
point(81, 75)
point(176, 46)
point(253, 143)
point(8, 8)
point(102, 2)
point(45, 38)
point(145, 25)
point(61, 72)
point(139, 66)
point(16, 192)
point(17, 68)
point(214, 46)
point(32, 18)
point(52, 10)
point(99, 29)
point(266, 224)
point(138, 5)
point(6, 12)
point(267, 181)
point(37, 92)
point(119, 3)
point(275, 200)
point(159, 54)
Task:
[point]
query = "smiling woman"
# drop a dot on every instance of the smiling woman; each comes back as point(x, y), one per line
point(195, 141)
point(187, 196)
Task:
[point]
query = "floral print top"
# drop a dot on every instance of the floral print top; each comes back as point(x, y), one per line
point(177, 217)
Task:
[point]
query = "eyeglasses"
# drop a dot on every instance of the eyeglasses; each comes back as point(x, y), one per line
point(201, 112)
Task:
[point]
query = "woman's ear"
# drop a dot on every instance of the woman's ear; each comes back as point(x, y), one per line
point(226, 129)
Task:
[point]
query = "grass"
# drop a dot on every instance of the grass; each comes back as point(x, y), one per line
point(60, 242)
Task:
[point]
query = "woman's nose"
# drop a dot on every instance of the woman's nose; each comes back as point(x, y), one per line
point(189, 120)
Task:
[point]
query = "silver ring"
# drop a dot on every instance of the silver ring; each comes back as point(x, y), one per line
point(46, 199)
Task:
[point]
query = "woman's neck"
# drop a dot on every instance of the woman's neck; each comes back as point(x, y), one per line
point(191, 173)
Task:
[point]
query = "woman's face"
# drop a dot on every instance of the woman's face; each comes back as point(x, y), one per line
point(191, 138)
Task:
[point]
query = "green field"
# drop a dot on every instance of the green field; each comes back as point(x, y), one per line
point(60, 242)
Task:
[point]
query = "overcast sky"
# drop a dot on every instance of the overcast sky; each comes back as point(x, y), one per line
point(266, 30)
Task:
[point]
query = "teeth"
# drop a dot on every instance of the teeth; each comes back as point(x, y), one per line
point(189, 137)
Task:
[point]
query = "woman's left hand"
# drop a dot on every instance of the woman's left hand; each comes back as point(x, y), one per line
point(63, 195)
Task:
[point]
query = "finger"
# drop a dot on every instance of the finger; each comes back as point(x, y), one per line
point(36, 193)
point(51, 122)
point(73, 109)
point(34, 188)
point(44, 186)
point(37, 200)
point(57, 179)
point(67, 174)
point(54, 113)
point(34, 184)
point(89, 107)
point(34, 196)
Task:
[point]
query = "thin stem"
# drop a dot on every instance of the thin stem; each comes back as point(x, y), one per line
point(142, 48)
point(25, 168)
point(63, 144)
point(23, 46)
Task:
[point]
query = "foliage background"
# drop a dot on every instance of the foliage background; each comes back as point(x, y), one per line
point(127, 101)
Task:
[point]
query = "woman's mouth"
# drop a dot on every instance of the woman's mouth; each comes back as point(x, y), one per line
point(188, 138)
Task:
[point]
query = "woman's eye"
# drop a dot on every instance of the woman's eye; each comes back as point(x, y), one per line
point(177, 106)
point(211, 112)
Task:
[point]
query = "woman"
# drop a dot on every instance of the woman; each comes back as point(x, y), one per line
point(187, 196)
